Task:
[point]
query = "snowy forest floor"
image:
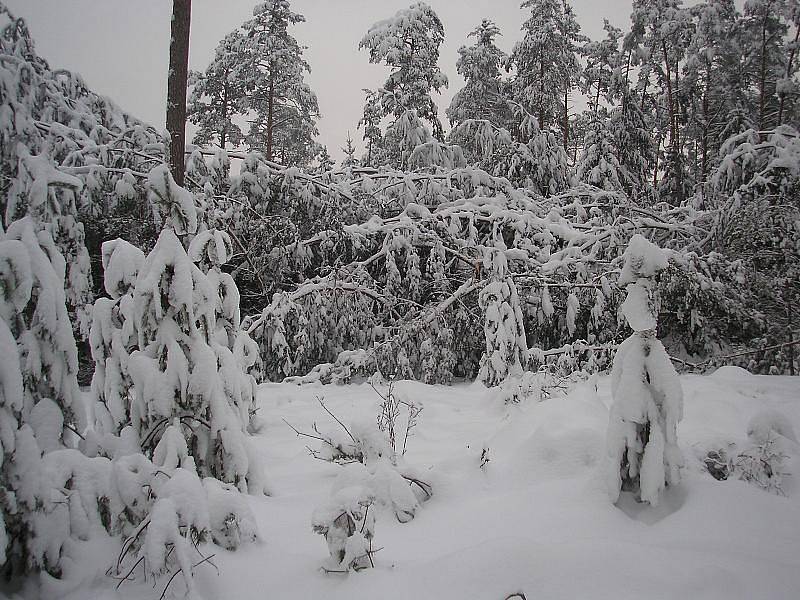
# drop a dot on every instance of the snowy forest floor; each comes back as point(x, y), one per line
point(535, 519)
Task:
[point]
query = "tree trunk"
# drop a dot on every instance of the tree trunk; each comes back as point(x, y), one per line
point(176, 86)
point(762, 79)
point(566, 117)
point(789, 71)
point(706, 125)
point(541, 90)
point(223, 135)
point(674, 152)
point(658, 150)
point(270, 112)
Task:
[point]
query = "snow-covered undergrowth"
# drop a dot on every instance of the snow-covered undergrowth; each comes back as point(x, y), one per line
point(535, 518)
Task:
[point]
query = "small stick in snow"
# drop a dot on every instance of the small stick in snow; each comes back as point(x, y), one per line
point(335, 418)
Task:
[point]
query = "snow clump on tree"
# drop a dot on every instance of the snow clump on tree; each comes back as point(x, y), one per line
point(642, 448)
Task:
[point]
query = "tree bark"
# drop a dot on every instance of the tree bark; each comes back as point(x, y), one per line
point(674, 143)
point(270, 112)
point(566, 116)
point(789, 72)
point(706, 126)
point(541, 91)
point(176, 86)
point(762, 79)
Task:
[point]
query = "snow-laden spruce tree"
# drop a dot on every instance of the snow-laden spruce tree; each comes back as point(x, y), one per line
point(503, 327)
point(39, 402)
point(642, 447)
point(598, 164)
point(408, 43)
point(482, 97)
point(219, 94)
point(113, 337)
point(284, 105)
point(546, 61)
point(184, 372)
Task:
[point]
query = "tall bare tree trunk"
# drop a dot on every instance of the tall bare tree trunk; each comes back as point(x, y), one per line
point(176, 86)
point(270, 112)
point(541, 89)
point(674, 158)
point(762, 78)
point(566, 116)
point(789, 72)
point(706, 126)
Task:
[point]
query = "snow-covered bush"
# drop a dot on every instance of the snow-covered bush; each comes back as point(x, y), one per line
point(349, 527)
point(39, 402)
point(643, 454)
point(373, 473)
point(762, 459)
point(506, 344)
point(180, 369)
point(763, 464)
point(113, 337)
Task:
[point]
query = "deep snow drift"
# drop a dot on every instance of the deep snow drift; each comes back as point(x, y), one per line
point(534, 519)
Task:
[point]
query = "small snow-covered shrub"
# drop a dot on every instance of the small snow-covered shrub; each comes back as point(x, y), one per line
point(373, 472)
point(349, 527)
point(397, 417)
point(763, 464)
point(506, 344)
point(518, 388)
point(642, 449)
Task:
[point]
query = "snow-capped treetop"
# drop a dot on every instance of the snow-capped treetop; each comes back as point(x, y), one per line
point(409, 43)
point(219, 93)
point(479, 64)
point(545, 59)
point(643, 260)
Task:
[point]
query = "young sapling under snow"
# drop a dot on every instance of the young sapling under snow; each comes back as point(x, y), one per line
point(642, 449)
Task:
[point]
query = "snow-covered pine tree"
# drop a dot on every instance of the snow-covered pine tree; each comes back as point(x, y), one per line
point(633, 144)
point(506, 344)
point(113, 337)
point(408, 43)
point(182, 375)
point(642, 447)
point(545, 61)
point(324, 161)
point(39, 398)
point(482, 97)
point(598, 164)
point(69, 159)
point(350, 161)
point(219, 95)
point(286, 109)
point(715, 94)
point(603, 61)
point(664, 28)
point(764, 29)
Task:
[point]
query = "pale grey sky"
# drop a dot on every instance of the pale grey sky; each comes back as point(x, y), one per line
point(120, 47)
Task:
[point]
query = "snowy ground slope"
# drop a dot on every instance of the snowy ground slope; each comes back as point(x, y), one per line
point(536, 518)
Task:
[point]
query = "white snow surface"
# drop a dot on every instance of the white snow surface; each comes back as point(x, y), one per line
point(534, 519)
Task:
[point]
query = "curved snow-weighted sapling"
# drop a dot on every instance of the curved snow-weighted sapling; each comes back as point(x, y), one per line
point(642, 449)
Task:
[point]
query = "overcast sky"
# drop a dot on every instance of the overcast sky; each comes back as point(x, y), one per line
point(120, 47)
